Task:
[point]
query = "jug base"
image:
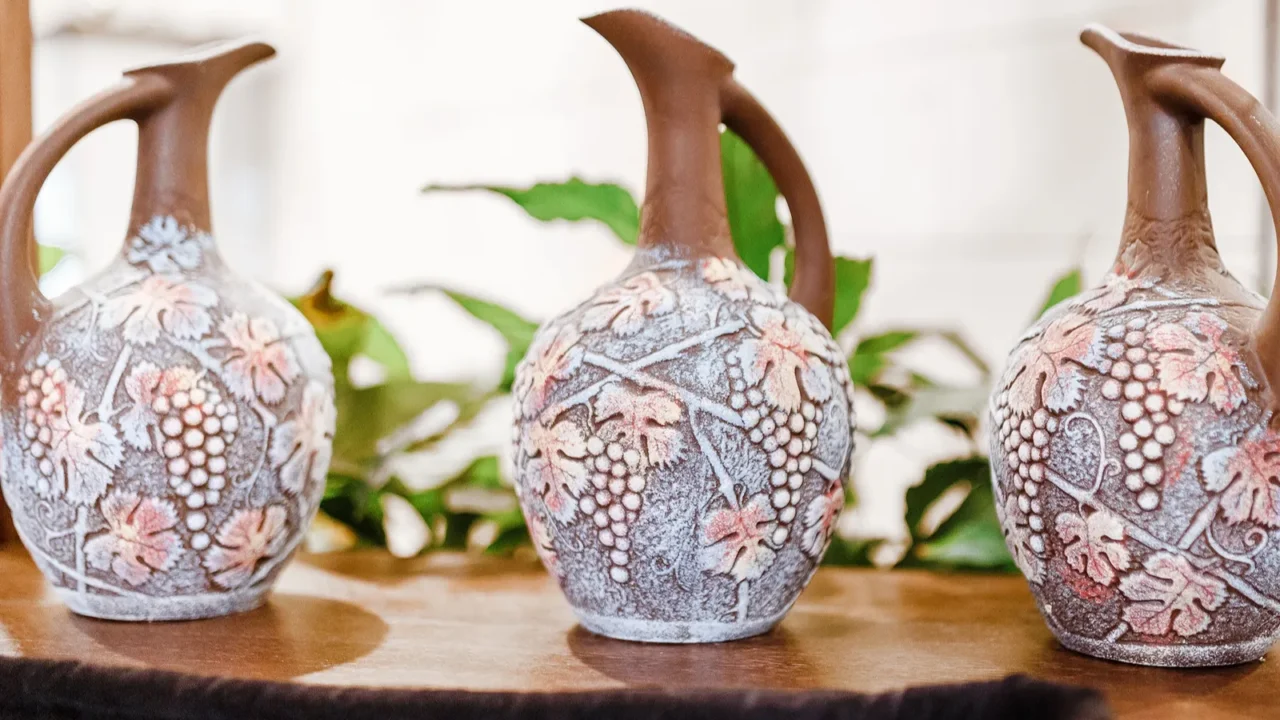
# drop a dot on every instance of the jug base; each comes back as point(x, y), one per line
point(159, 609)
point(1177, 656)
point(674, 632)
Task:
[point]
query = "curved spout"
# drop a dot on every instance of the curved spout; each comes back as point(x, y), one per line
point(679, 80)
point(173, 141)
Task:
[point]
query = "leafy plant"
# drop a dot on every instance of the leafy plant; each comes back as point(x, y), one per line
point(950, 514)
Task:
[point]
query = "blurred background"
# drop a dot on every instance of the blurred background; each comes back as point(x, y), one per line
point(976, 150)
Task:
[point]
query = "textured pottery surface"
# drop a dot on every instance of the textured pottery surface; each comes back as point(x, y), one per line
point(682, 436)
point(1136, 477)
point(167, 426)
point(170, 435)
point(681, 443)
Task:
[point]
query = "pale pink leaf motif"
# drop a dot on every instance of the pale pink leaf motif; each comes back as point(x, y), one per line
point(140, 538)
point(248, 537)
point(646, 420)
point(84, 454)
point(302, 446)
point(160, 303)
point(736, 282)
point(1047, 370)
point(1195, 364)
point(1017, 536)
point(1094, 545)
point(555, 465)
point(1170, 594)
point(144, 385)
point(734, 539)
point(261, 363)
point(540, 534)
point(555, 355)
point(626, 306)
point(787, 356)
point(820, 520)
point(1248, 476)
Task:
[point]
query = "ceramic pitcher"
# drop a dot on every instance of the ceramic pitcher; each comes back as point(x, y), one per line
point(1134, 455)
point(682, 436)
point(167, 424)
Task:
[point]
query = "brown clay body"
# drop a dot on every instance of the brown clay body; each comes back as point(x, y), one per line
point(166, 425)
point(1134, 463)
point(682, 437)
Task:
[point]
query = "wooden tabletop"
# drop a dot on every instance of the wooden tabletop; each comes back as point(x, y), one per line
point(484, 623)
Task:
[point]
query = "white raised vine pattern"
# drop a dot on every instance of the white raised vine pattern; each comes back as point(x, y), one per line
point(162, 415)
point(597, 426)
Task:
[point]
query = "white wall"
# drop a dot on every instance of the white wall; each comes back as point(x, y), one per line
point(975, 149)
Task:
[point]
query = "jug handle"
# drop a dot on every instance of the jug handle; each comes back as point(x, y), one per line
point(1206, 92)
point(23, 308)
point(813, 285)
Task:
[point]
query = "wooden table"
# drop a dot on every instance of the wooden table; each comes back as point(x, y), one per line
point(484, 623)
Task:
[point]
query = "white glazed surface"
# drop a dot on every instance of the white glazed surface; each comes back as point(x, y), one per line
point(681, 443)
point(166, 444)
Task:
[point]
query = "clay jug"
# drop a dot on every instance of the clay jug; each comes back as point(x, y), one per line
point(167, 424)
point(1133, 451)
point(681, 436)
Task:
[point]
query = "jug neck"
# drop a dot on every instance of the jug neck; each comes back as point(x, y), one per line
point(679, 80)
point(1167, 219)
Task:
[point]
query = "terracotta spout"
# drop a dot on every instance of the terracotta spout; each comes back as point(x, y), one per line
point(173, 142)
point(679, 79)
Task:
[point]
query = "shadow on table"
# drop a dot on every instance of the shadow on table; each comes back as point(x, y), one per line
point(290, 636)
point(772, 660)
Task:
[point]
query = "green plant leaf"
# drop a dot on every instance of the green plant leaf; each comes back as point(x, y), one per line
point(49, 257)
point(517, 331)
point(571, 200)
point(853, 277)
point(886, 341)
point(1063, 288)
point(751, 198)
point(937, 480)
point(368, 415)
point(346, 331)
point(850, 553)
point(971, 537)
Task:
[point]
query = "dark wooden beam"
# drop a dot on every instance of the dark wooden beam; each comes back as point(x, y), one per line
point(15, 116)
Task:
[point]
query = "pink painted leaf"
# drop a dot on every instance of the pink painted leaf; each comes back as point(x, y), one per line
point(1046, 371)
point(1094, 545)
point(788, 356)
point(1195, 364)
point(139, 540)
point(1017, 536)
point(626, 306)
point(555, 465)
point(1248, 476)
point(144, 385)
point(644, 419)
point(1170, 594)
point(261, 363)
point(160, 303)
point(820, 520)
point(555, 355)
point(734, 539)
point(248, 537)
point(302, 446)
point(84, 454)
